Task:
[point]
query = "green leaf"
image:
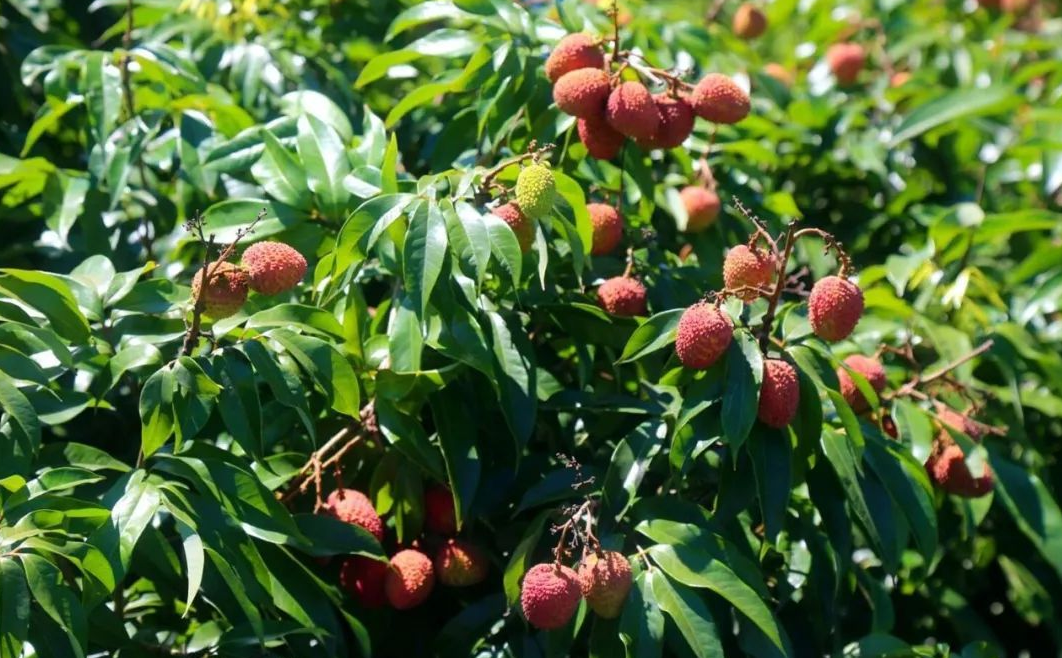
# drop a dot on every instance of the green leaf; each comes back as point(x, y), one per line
point(310, 319)
point(958, 104)
point(26, 429)
point(405, 338)
point(469, 239)
point(423, 255)
point(280, 174)
point(49, 295)
point(194, 563)
point(741, 394)
point(771, 453)
point(523, 557)
point(628, 467)
point(841, 456)
point(328, 368)
point(326, 535)
point(458, 443)
point(1033, 508)
point(325, 160)
point(690, 615)
point(654, 334)
point(641, 624)
point(514, 376)
point(156, 410)
point(58, 601)
point(572, 193)
point(14, 608)
point(238, 402)
point(504, 246)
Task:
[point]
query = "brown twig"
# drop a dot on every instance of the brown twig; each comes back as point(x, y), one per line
point(831, 243)
point(779, 286)
point(534, 152)
point(311, 470)
point(910, 389)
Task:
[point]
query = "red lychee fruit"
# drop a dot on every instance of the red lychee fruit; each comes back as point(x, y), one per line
point(632, 112)
point(676, 123)
point(575, 51)
point(900, 78)
point(226, 291)
point(364, 578)
point(602, 141)
point(605, 580)
point(460, 564)
point(352, 506)
point(549, 595)
point(749, 21)
point(947, 469)
point(608, 227)
point(871, 370)
point(582, 92)
point(274, 267)
point(745, 270)
point(622, 296)
point(846, 61)
point(439, 515)
point(834, 308)
point(702, 207)
point(720, 100)
point(888, 425)
point(779, 393)
point(780, 73)
point(409, 580)
point(703, 335)
point(960, 422)
point(523, 227)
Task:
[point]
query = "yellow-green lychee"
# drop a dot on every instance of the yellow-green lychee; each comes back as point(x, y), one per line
point(536, 191)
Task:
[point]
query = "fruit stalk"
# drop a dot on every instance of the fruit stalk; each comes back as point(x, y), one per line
point(779, 285)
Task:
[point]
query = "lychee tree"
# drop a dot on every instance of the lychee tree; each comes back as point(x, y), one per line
point(477, 327)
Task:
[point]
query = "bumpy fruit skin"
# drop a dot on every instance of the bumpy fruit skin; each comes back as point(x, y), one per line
point(632, 112)
point(352, 506)
point(779, 393)
point(846, 61)
point(460, 564)
point(439, 510)
point(605, 581)
point(748, 268)
point(602, 141)
point(523, 227)
point(834, 308)
point(749, 21)
point(582, 92)
point(536, 190)
point(550, 595)
point(622, 296)
point(676, 122)
point(226, 291)
point(960, 422)
point(703, 335)
point(575, 51)
point(409, 580)
point(780, 73)
point(608, 227)
point(871, 370)
point(702, 207)
point(364, 578)
point(720, 100)
point(274, 267)
point(947, 469)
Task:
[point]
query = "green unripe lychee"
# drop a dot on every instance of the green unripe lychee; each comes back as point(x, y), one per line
point(536, 190)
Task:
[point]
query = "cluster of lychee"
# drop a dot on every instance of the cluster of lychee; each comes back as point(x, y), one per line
point(268, 268)
point(551, 592)
point(407, 580)
point(610, 110)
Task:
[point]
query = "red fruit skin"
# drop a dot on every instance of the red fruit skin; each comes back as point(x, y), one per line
point(582, 93)
point(749, 21)
point(549, 596)
point(622, 296)
point(352, 506)
point(748, 268)
point(605, 581)
point(947, 469)
point(632, 112)
point(575, 51)
point(226, 291)
point(960, 423)
point(274, 267)
point(523, 227)
point(834, 308)
point(364, 578)
point(779, 394)
point(409, 580)
point(439, 516)
point(703, 335)
point(676, 123)
point(871, 370)
point(608, 227)
point(719, 99)
point(702, 207)
point(460, 564)
point(888, 425)
point(602, 141)
point(846, 60)
point(780, 73)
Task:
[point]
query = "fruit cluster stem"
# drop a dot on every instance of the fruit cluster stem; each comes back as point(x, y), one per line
point(311, 471)
point(779, 284)
point(910, 389)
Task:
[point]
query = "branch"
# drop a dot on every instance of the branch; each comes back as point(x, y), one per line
point(779, 286)
point(910, 389)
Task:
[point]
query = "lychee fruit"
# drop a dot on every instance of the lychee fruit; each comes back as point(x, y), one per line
point(900, 78)
point(622, 296)
point(746, 271)
point(575, 51)
point(780, 73)
point(352, 506)
point(846, 61)
point(608, 227)
point(602, 141)
point(460, 564)
point(676, 122)
point(364, 579)
point(582, 92)
point(274, 267)
point(605, 580)
point(749, 21)
point(702, 207)
point(409, 580)
point(888, 425)
point(536, 191)
point(947, 469)
point(226, 291)
point(523, 227)
point(703, 335)
point(439, 515)
point(632, 111)
point(871, 370)
point(960, 422)
point(834, 308)
point(779, 393)
point(550, 595)
point(720, 100)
